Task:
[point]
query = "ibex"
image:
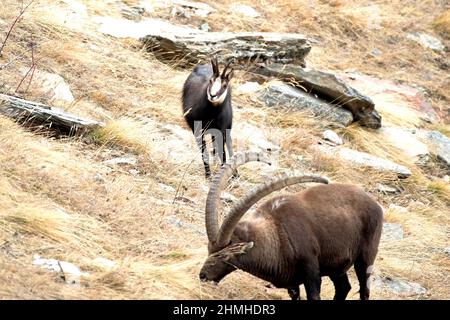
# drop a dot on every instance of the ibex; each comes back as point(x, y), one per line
point(207, 106)
point(294, 239)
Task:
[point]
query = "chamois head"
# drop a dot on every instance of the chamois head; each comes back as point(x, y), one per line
point(224, 249)
point(218, 84)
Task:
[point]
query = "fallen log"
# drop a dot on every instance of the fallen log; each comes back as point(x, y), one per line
point(246, 48)
point(35, 113)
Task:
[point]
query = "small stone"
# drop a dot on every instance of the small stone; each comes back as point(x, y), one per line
point(121, 160)
point(385, 189)
point(133, 172)
point(245, 10)
point(392, 231)
point(99, 178)
point(332, 136)
point(375, 52)
point(227, 197)
point(204, 27)
point(447, 251)
point(399, 287)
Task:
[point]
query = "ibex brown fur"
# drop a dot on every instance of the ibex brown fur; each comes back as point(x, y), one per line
point(294, 239)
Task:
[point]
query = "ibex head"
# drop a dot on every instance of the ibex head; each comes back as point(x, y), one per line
point(221, 263)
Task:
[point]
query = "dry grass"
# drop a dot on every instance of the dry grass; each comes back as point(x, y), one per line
point(60, 200)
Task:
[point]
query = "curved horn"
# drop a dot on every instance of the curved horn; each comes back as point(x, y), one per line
point(217, 184)
point(226, 67)
point(236, 213)
point(215, 66)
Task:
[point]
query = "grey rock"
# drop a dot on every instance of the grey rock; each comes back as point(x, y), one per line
point(280, 94)
point(364, 160)
point(439, 145)
point(332, 136)
point(69, 272)
point(375, 52)
point(392, 232)
point(399, 287)
point(385, 189)
point(99, 178)
point(447, 251)
point(427, 41)
point(51, 85)
point(329, 87)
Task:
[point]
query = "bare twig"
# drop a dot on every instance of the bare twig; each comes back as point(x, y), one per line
point(22, 11)
point(31, 69)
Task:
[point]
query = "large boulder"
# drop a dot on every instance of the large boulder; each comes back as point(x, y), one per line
point(278, 94)
point(439, 145)
point(169, 42)
point(329, 87)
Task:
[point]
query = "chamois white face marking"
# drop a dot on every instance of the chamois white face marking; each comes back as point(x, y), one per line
point(216, 87)
point(215, 94)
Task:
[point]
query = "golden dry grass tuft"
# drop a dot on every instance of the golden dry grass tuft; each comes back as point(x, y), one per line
point(442, 23)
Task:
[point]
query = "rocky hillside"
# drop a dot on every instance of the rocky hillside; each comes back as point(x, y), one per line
point(115, 209)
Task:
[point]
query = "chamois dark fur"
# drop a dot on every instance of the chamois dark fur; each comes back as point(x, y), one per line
point(207, 101)
point(298, 238)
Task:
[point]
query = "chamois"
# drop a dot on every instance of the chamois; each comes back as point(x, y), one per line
point(294, 239)
point(207, 106)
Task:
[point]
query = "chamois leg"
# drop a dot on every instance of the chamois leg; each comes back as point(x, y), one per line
point(202, 145)
point(363, 271)
point(215, 146)
point(229, 143)
point(294, 293)
point(341, 286)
